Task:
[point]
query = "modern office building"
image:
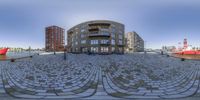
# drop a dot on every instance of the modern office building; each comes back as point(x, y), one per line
point(54, 38)
point(98, 36)
point(134, 42)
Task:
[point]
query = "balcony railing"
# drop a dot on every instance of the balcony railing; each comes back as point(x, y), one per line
point(105, 43)
point(99, 35)
point(93, 29)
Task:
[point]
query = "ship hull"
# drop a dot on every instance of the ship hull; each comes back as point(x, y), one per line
point(3, 51)
point(190, 52)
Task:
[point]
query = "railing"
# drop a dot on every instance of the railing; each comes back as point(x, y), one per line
point(99, 35)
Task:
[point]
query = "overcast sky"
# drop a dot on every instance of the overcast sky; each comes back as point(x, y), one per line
point(158, 22)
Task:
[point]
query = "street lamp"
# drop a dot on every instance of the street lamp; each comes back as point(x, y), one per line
point(145, 43)
point(65, 53)
point(29, 49)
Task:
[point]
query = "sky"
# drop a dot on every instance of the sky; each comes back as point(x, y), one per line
point(158, 22)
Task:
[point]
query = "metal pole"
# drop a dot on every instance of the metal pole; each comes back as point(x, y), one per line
point(145, 47)
point(54, 51)
point(65, 53)
point(29, 50)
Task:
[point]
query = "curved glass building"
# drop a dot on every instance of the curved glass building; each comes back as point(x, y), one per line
point(99, 36)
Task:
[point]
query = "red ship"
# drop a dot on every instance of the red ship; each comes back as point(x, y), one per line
point(3, 51)
point(188, 52)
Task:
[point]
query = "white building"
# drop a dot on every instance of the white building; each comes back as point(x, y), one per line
point(134, 42)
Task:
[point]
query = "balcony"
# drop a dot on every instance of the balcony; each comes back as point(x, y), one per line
point(99, 35)
point(120, 45)
point(105, 43)
point(93, 29)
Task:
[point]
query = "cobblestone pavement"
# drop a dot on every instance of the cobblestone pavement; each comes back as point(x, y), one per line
point(129, 76)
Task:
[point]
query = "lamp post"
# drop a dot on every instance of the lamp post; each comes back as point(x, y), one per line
point(29, 49)
point(145, 43)
point(54, 52)
point(65, 53)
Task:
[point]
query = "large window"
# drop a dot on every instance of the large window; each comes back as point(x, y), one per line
point(94, 42)
point(83, 41)
point(105, 33)
point(113, 35)
point(113, 42)
point(83, 35)
point(113, 49)
point(104, 49)
point(82, 30)
point(113, 30)
point(104, 41)
point(84, 50)
point(94, 49)
point(120, 36)
point(76, 43)
point(104, 29)
point(120, 50)
point(120, 42)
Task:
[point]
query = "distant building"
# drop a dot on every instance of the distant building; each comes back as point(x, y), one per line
point(169, 48)
point(134, 43)
point(54, 38)
point(98, 36)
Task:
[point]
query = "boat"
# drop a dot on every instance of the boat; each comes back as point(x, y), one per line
point(3, 51)
point(188, 52)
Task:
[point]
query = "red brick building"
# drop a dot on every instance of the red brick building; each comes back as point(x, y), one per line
point(54, 38)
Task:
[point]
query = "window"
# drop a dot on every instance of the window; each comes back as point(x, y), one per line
point(113, 30)
point(120, 32)
point(94, 49)
point(76, 28)
point(94, 42)
point(105, 33)
point(82, 35)
point(82, 30)
point(83, 41)
point(120, 50)
point(104, 29)
point(104, 49)
point(113, 42)
point(120, 42)
point(113, 35)
point(84, 50)
point(94, 33)
point(120, 36)
point(113, 49)
point(104, 41)
point(76, 43)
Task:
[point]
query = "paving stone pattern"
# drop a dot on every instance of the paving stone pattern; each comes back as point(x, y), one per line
point(100, 76)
